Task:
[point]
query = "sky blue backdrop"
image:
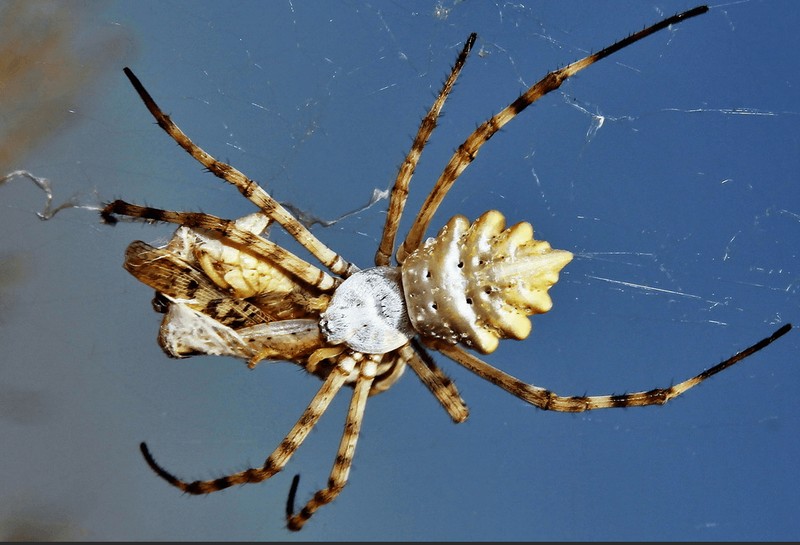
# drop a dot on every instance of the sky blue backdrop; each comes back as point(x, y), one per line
point(682, 208)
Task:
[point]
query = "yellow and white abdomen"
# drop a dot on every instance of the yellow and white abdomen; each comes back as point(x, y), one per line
point(476, 284)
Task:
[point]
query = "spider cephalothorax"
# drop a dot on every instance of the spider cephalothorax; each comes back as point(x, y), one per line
point(226, 289)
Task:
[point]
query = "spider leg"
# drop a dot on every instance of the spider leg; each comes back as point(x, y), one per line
point(281, 455)
point(389, 372)
point(467, 151)
point(435, 380)
point(344, 456)
point(397, 200)
point(547, 400)
point(247, 187)
point(228, 230)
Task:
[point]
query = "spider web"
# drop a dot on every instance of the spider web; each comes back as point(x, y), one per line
point(668, 169)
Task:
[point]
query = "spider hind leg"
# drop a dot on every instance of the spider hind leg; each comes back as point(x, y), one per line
point(547, 400)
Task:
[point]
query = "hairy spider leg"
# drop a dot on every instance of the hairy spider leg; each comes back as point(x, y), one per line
point(547, 400)
point(467, 151)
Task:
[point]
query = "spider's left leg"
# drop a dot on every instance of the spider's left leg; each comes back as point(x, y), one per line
point(344, 456)
point(467, 151)
point(547, 400)
point(247, 187)
point(276, 461)
point(227, 229)
point(421, 362)
point(439, 384)
point(397, 200)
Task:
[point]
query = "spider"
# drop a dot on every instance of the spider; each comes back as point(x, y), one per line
point(226, 289)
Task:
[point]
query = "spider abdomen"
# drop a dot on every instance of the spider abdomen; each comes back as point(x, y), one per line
point(476, 284)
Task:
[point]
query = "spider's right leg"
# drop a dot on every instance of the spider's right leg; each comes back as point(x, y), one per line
point(247, 187)
point(467, 151)
point(278, 459)
point(227, 229)
point(397, 200)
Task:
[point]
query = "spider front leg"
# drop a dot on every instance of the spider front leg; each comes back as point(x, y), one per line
point(228, 230)
point(344, 456)
point(281, 455)
point(247, 187)
point(547, 400)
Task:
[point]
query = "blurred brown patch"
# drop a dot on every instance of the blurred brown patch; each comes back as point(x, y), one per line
point(50, 55)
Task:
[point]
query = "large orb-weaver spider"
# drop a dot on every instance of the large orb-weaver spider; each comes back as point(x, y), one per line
point(227, 290)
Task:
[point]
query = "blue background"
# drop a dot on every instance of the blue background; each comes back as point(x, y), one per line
point(682, 208)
